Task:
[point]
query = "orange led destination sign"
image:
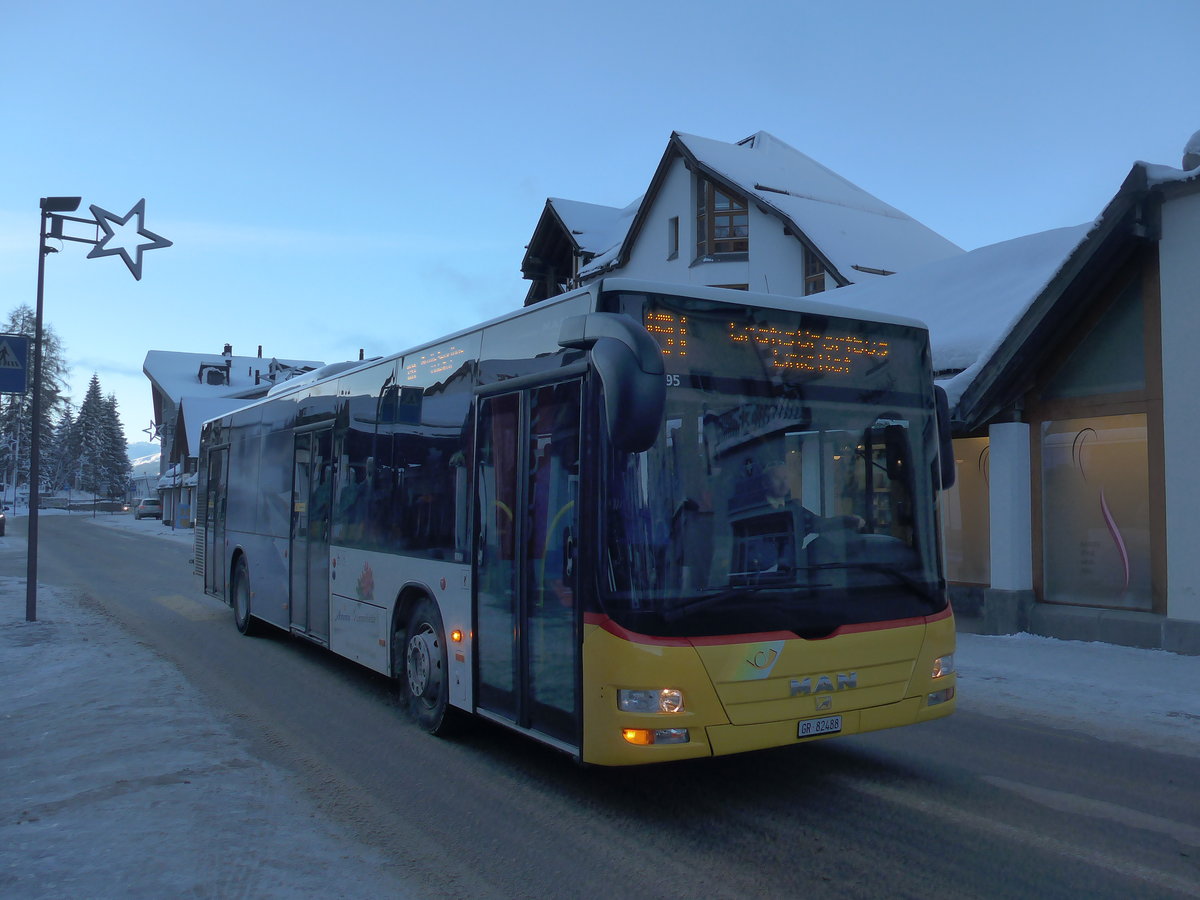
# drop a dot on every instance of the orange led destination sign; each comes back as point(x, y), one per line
point(797, 349)
point(436, 361)
point(669, 330)
point(809, 351)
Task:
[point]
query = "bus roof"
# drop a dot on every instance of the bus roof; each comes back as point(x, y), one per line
point(632, 285)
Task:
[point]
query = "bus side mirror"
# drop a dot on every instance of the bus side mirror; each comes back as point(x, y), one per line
point(629, 364)
point(945, 442)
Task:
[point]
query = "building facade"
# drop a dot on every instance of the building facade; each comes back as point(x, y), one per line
point(1070, 358)
point(190, 387)
point(756, 214)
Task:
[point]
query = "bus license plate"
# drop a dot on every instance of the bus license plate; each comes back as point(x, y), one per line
point(826, 725)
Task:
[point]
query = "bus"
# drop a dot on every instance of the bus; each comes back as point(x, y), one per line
point(636, 522)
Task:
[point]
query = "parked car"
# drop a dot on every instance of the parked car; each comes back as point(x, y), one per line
point(3, 521)
point(149, 508)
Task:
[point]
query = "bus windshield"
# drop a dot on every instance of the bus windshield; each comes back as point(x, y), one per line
point(789, 489)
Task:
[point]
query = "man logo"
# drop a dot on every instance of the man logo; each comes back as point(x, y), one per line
point(824, 703)
point(823, 684)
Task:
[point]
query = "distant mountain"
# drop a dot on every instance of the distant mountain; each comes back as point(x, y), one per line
point(141, 449)
point(145, 465)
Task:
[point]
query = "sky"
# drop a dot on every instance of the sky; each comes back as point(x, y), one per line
point(365, 175)
point(92, 805)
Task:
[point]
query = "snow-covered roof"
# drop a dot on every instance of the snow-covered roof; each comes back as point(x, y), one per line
point(593, 228)
point(982, 307)
point(849, 226)
point(194, 412)
point(972, 301)
point(618, 231)
point(176, 374)
point(859, 235)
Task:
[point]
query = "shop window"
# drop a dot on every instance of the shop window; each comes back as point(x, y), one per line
point(1095, 512)
point(965, 515)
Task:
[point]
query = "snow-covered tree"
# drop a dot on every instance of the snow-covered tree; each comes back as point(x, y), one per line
point(91, 435)
point(16, 410)
point(62, 455)
point(96, 446)
point(116, 450)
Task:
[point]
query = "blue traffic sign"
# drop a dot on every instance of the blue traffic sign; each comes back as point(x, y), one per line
point(14, 363)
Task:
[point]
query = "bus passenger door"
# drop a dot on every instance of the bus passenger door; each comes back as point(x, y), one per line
point(214, 521)
point(312, 475)
point(527, 629)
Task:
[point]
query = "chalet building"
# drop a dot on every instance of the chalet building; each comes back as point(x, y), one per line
point(189, 388)
point(1068, 358)
point(1070, 363)
point(757, 215)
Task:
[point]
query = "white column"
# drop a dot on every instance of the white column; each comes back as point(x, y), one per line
point(1179, 269)
point(1009, 497)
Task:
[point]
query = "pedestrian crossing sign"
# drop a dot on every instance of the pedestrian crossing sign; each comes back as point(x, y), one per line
point(14, 359)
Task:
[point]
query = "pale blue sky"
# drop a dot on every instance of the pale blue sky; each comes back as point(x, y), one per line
point(366, 174)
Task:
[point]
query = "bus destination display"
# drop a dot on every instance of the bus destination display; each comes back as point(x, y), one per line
point(784, 346)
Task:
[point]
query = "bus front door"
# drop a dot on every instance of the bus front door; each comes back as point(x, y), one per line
point(312, 475)
point(527, 630)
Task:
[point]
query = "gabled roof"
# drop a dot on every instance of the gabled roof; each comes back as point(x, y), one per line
point(592, 228)
point(995, 310)
point(1130, 220)
point(193, 413)
point(856, 233)
point(584, 227)
point(568, 229)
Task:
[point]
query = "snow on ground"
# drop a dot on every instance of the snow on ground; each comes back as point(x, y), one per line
point(150, 527)
point(120, 780)
point(1149, 698)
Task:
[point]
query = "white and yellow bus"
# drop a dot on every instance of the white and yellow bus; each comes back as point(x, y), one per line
point(637, 522)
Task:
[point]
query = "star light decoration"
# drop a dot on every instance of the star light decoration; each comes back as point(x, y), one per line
point(154, 242)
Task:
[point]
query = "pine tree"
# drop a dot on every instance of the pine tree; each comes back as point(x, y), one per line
point(91, 435)
point(62, 456)
point(116, 450)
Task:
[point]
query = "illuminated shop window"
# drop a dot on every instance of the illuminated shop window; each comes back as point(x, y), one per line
point(965, 511)
point(1095, 512)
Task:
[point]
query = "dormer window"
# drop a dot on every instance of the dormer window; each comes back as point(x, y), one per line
point(213, 373)
point(722, 221)
point(814, 273)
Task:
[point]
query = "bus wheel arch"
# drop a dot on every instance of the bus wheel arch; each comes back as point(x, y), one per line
point(240, 595)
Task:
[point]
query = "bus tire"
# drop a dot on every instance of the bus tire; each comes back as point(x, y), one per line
point(425, 672)
point(246, 623)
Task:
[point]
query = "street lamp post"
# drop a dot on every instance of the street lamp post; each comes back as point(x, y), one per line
point(49, 205)
point(54, 211)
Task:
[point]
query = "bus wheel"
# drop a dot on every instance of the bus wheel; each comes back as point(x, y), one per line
point(424, 686)
point(245, 623)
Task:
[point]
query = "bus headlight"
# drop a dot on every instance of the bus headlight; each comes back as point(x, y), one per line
point(943, 666)
point(662, 700)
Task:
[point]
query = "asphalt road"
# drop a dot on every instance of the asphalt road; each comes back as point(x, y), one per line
point(970, 806)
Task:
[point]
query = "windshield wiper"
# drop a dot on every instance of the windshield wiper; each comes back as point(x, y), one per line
point(921, 588)
point(692, 604)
